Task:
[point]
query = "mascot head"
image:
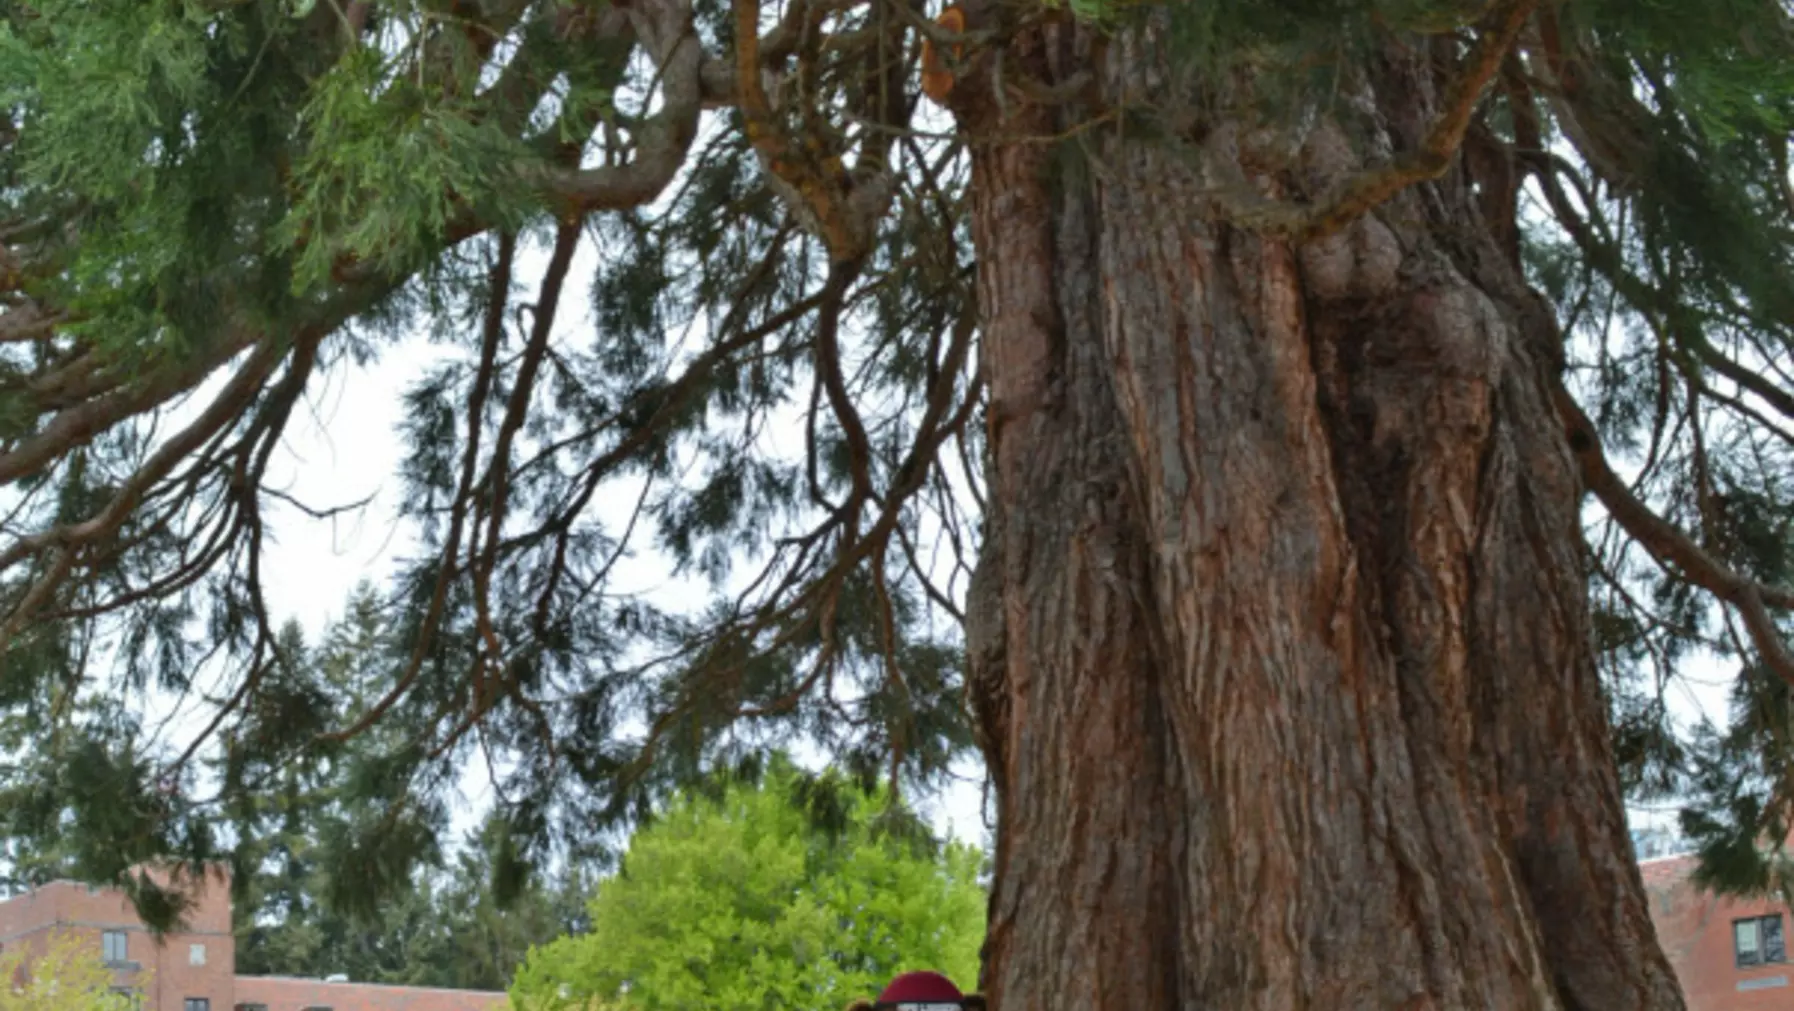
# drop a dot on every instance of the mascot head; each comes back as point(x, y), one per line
point(921, 991)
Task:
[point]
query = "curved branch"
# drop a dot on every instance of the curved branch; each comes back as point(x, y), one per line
point(63, 540)
point(828, 368)
point(1365, 190)
point(77, 426)
point(665, 139)
point(496, 499)
point(1746, 379)
point(805, 171)
point(1688, 334)
point(492, 333)
point(1671, 547)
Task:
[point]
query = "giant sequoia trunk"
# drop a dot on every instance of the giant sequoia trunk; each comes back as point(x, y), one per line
point(1280, 646)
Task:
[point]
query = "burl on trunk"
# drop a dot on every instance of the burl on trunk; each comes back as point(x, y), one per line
point(1279, 645)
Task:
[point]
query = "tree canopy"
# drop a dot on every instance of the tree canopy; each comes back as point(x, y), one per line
point(788, 893)
point(210, 207)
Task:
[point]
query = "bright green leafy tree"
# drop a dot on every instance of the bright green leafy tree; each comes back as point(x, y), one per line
point(64, 975)
point(745, 900)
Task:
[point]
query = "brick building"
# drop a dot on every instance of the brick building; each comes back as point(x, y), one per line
point(195, 970)
point(1730, 955)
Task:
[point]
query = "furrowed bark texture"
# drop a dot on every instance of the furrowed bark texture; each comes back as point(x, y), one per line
point(1280, 647)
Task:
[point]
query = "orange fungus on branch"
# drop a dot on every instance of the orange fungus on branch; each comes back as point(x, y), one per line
point(937, 77)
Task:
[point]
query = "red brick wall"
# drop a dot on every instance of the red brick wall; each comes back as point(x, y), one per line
point(279, 993)
point(166, 975)
point(1695, 929)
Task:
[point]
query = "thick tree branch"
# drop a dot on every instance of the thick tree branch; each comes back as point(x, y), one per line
point(65, 541)
point(664, 140)
point(806, 170)
point(27, 323)
point(1360, 193)
point(78, 425)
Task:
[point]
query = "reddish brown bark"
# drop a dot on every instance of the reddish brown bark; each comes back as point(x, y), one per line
point(1280, 649)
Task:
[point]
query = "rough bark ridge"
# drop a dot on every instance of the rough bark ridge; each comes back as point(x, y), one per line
point(1279, 645)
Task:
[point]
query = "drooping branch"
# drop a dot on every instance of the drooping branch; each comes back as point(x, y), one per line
point(794, 598)
point(834, 384)
point(1674, 548)
point(1747, 379)
point(77, 425)
point(670, 401)
point(197, 533)
point(1690, 339)
point(494, 500)
point(941, 420)
point(491, 336)
point(65, 541)
point(1597, 113)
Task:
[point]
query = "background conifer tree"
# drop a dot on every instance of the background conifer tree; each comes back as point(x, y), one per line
point(436, 914)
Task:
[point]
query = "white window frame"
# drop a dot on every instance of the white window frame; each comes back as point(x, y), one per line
point(1759, 953)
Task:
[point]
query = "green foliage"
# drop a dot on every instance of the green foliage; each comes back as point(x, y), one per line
point(109, 82)
point(87, 805)
point(65, 975)
point(186, 181)
point(741, 900)
point(445, 926)
point(149, 127)
point(388, 165)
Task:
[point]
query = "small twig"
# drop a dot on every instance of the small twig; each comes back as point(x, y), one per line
point(329, 512)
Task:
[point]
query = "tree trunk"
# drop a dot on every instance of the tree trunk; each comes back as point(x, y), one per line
point(1280, 645)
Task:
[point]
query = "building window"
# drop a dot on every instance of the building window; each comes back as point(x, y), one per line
point(112, 946)
point(196, 954)
point(316, 1007)
point(198, 1004)
point(1758, 940)
point(129, 996)
point(252, 1007)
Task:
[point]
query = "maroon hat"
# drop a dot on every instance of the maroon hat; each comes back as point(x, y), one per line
point(921, 991)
